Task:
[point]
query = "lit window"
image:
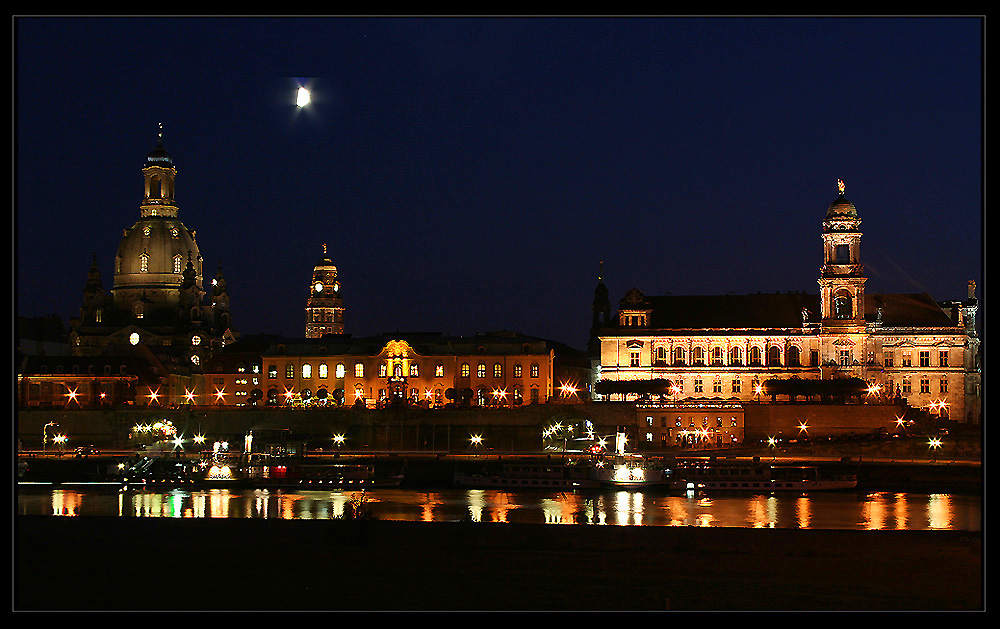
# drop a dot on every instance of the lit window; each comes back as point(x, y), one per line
point(382, 370)
point(481, 370)
point(322, 370)
point(272, 371)
point(341, 370)
point(359, 370)
point(289, 370)
point(414, 370)
point(438, 370)
point(534, 370)
point(306, 370)
point(143, 263)
point(517, 370)
point(497, 370)
point(845, 357)
point(177, 263)
point(465, 370)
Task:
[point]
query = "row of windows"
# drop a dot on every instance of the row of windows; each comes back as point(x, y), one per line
point(679, 422)
point(413, 371)
point(923, 359)
point(698, 356)
point(906, 385)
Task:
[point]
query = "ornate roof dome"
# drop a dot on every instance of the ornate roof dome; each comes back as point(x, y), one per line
point(159, 157)
point(841, 207)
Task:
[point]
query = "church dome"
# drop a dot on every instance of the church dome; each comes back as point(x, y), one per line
point(154, 253)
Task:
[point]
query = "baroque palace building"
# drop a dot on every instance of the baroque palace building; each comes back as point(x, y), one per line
point(723, 347)
point(495, 369)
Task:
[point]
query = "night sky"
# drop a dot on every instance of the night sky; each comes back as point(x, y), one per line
point(470, 174)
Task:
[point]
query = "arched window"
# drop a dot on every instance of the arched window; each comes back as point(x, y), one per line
point(736, 356)
point(794, 356)
point(716, 355)
point(359, 370)
point(341, 370)
point(272, 371)
point(842, 306)
point(534, 370)
point(177, 263)
point(661, 354)
point(481, 370)
point(774, 356)
point(323, 370)
point(678, 355)
point(497, 370)
point(698, 356)
point(143, 262)
point(755, 355)
point(465, 370)
point(414, 370)
point(306, 370)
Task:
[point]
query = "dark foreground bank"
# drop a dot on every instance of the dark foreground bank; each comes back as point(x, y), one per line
point(96, 563)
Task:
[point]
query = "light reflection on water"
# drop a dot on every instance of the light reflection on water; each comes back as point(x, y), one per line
point(831, 510)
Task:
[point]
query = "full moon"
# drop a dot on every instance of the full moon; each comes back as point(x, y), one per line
point(302, 97)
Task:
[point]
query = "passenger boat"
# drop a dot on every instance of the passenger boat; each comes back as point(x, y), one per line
point(561, 475)
point(236, 471)
point(752, 475)
point(306, 474)
point(631, 471)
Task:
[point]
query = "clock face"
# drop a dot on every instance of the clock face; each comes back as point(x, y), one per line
point(318, 287)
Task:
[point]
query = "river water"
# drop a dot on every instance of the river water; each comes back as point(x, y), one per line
point(819, 510)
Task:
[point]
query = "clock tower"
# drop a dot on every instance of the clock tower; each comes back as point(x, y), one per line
point(324, 308)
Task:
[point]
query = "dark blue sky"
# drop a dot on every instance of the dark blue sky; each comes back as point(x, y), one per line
point(470, 174)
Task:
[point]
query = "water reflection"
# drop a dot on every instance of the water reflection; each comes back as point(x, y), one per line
point(832, 510)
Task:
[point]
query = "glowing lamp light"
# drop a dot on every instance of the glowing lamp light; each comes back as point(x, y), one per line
point(803, 427)
point(219, 394)
point(338, 439)
point(154, 395)
point(771, 441)
point(934, 443)
point(189, 396)
point(302, 97)
point(199, 439)
point(476, 440)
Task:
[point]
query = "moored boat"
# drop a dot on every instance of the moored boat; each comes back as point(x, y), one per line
point(631, 471)
point(700, 474)
point(562, 475)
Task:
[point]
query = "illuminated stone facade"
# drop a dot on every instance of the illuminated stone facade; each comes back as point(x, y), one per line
point(495, 369)
point(723, 347)
point(325, 306)
point(157, 299)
